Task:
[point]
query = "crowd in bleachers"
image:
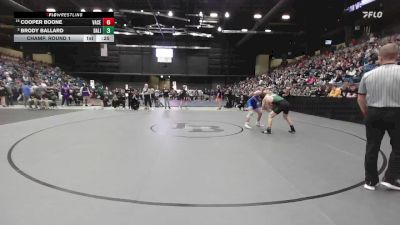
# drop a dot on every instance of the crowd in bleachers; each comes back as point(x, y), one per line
point(331, 74)
point(40, 85)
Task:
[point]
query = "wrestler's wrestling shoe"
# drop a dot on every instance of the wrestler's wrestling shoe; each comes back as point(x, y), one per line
point(292, 130)
point(267, 131)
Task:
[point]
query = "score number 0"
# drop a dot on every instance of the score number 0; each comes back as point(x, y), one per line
point(108, 21)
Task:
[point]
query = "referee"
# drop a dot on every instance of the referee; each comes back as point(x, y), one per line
point(379, 100)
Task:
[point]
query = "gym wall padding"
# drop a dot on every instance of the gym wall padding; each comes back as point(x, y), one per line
point(345, 109)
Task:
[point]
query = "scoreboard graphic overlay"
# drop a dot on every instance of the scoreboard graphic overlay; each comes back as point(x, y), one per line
point(64, 27)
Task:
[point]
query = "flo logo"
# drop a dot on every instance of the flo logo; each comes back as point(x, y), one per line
point(372, 14)
point(196, 129)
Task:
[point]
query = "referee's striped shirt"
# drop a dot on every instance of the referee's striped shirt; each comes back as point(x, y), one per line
point(382, 86)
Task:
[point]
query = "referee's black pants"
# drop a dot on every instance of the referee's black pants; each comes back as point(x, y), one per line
point(378, 121)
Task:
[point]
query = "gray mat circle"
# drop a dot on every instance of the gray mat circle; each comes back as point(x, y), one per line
point(177, 204)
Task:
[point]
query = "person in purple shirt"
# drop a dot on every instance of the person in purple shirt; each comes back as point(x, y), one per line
point(85, 93)
point(65, 94)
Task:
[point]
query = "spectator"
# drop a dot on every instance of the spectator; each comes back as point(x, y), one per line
point(319, 92)
point(241, 104)
point(343, 65)
point(369, 66)
point(9, 93)
point(3, 94)
point(353, 92)
point(85, 93)
point(335, 92)
point(93, 98)
point(65, 94)
point(52, 99)
point(26, 93)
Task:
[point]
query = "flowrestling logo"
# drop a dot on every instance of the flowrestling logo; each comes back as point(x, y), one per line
point(372, 14)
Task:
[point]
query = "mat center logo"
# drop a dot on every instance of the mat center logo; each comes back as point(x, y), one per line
point(196, 129)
